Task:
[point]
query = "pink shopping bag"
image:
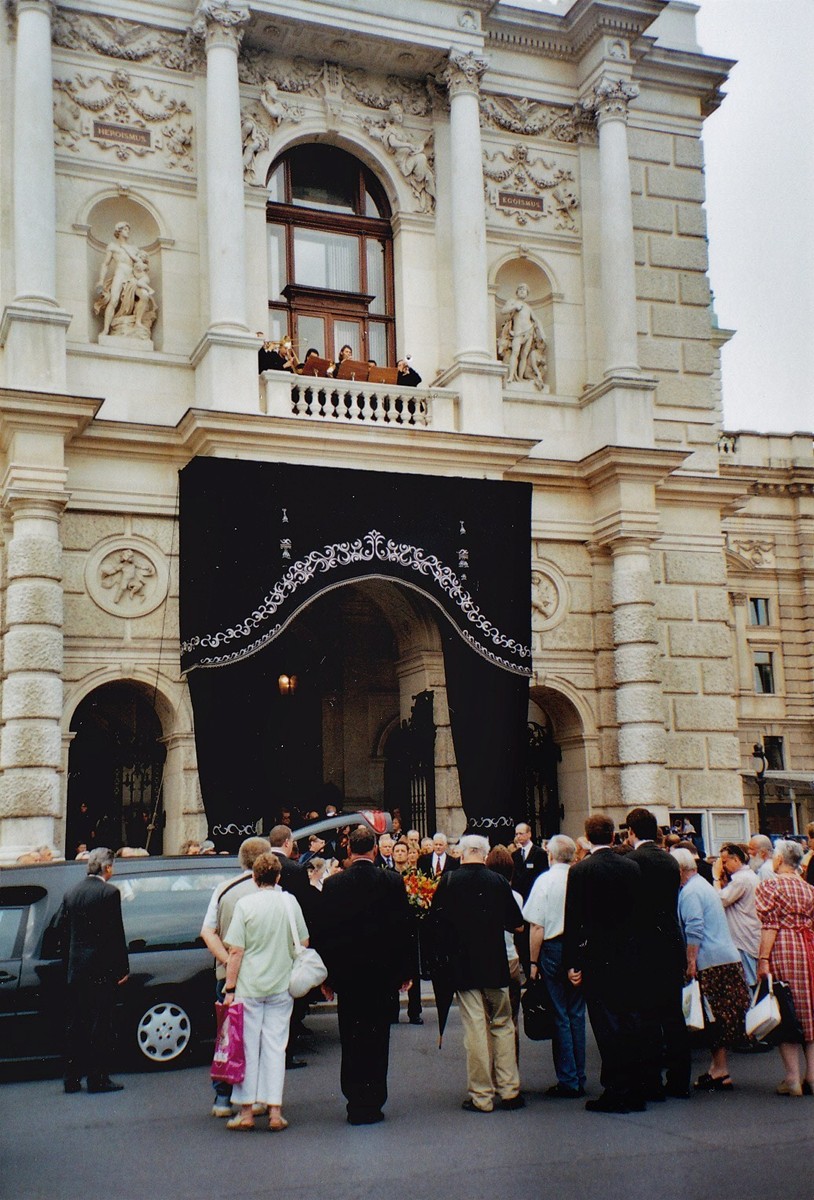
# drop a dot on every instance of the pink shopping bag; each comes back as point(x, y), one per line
point(229, 1062)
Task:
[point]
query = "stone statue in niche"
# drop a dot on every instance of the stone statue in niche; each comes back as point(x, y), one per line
point(126, 576)
point(522, 343)
point(126, 299)
point(411, 157)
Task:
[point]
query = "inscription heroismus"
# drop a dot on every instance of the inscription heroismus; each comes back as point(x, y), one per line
point(121, 133)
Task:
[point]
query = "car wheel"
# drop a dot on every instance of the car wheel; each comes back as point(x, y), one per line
point(164, 1032)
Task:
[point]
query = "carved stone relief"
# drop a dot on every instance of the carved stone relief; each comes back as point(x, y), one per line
point(549, 598)
point(129, 41)
point(529, 118)
point(127, 577)
point(524, 186)
point(115, 115)
point(257, 121)
point(760, 552)
point(413, 157)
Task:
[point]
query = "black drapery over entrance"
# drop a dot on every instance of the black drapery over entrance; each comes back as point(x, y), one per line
point(261, 541)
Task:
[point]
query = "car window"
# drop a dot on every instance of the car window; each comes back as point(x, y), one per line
point(165, 911)
point(10, 922)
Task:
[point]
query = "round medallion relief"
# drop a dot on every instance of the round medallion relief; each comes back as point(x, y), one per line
point(127, 577)
point(549, 597)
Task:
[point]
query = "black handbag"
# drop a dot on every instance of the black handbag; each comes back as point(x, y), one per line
point(789, 1029)
point(538, 1015)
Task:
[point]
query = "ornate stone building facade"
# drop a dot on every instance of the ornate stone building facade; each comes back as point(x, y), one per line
point(513, 198)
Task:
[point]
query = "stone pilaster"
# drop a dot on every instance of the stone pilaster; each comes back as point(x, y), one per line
point(225, 359)
point(618, 261)
point(33, 327)
point(740, 647)
point(639, 702)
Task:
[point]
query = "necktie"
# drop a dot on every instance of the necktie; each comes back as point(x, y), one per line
point(438, 867)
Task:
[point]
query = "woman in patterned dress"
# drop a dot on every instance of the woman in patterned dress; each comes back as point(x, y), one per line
point(785, 906)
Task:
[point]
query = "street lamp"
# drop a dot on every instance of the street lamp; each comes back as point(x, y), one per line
point(759, 764)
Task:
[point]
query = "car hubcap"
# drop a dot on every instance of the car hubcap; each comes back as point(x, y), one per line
point(163, 1032)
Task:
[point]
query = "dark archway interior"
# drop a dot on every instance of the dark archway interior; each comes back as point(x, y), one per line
point(114, 771)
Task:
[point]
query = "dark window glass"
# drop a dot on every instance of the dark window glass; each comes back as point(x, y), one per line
point(163, 912)
point(758, 610)
point(764, 672)
point(11, 924)
point(775, 758)
point(323, 177)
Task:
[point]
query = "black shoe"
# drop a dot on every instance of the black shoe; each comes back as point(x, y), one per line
point(416, 1020)
point(294, 1064)
point(72, 1086)
point(807, 1088)
point(677, 1093)
point(606, 1104)
point(105, 1085)
point(513, 1102)
point(365, 1118)
point(656, 1095)
point(561, 1091)
point(471, 1106)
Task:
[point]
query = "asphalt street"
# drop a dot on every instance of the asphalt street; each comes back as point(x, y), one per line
point(157, 1140)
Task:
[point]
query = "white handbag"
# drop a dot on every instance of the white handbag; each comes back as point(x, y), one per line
point(692, 1006)
point(307, 970)
point(763, 1015)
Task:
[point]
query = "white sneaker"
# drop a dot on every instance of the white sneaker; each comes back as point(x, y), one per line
point(221, 1109)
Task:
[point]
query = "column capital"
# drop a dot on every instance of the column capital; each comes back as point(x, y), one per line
point(220, 23)
point(611, 99)
point(463, 72)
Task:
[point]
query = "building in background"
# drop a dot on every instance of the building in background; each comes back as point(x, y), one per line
point(512, 198)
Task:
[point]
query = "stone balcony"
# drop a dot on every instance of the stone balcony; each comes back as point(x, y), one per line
point(350, 402)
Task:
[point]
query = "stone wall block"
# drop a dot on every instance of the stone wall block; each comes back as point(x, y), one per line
point(675, 183)
point(688, 152)
point(693, 288)
point(34, 556)
point(649, 145)
point(642, 744)
point(637, 702)
point(82, 530)
point(706, 789)
point(705, 713)
point(712, 604)
point(686, 751)
point(604, 670)
point(699, 357)
point(657, 216)
point(685, 254)
point(34, 602)
point(33, 650)
point(634, 623)
point(31, 744)
point(656, 285)
point(30, 793)
point(692, 220)
point(718, 678)
point(723, 752)
point(686, 391)
point(32, 696)
point(659, 354)
point(668, 320)
point(638, 663)
point(643, 784)
point(699, 641)
point(694, 568)
point(675, 603)
point(632, 585)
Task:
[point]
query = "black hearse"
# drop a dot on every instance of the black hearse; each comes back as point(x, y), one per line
point(166, 1006)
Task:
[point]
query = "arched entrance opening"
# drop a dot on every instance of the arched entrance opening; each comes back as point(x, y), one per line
point(115, 769)
point(354, 698)
point(557, 778)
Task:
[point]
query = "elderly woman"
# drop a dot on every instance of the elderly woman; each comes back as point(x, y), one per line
point(261, 952)
point(785, 906)
point(737, 883)
point(712, 959)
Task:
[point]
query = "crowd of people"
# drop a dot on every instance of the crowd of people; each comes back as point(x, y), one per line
point(282, 356)
point(612, 926)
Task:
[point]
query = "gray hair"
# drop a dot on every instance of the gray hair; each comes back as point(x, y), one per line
point(761, 843)
point(685, 860)
point(561, 848)
point(473, 843)
point(99, 860)
point(791, 853)
point(444, 838)
point(250, 851)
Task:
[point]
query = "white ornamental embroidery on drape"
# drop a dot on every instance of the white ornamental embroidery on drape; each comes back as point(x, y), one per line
point(370, 548)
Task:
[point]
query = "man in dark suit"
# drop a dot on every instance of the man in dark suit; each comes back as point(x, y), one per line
point(365, 940)
point(529, 862)
point(440, 861)
point(663, 1036)
point(602, 951)
point(95, 950)
point(384, 858)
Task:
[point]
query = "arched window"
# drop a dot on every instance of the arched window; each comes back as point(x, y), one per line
point(330, 255)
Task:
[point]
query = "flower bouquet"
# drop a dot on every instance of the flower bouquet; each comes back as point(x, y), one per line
point(420, 891)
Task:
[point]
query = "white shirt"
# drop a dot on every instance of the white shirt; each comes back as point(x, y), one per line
point(766, 871)
point(438, 860)
point(546, 903)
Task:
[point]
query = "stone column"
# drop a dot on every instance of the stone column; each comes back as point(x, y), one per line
point(33, 326)
point(31, 749)
point(226, 357)
point(618, 258)
point(639, 702)
point(220, 23)
point(474, 338)
point(740, 644)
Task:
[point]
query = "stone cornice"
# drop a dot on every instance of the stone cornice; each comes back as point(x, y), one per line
point(44, 412)
point(612, 464)
point(685, 71)
point(572, 35)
